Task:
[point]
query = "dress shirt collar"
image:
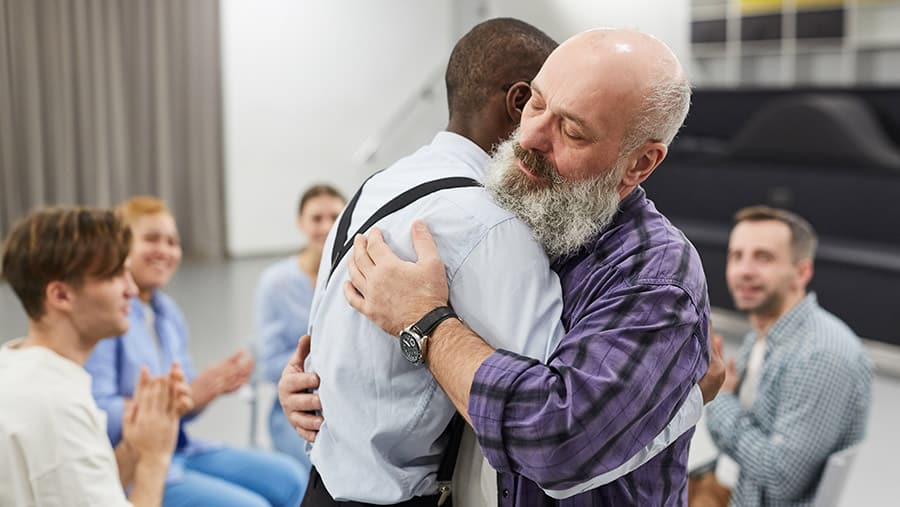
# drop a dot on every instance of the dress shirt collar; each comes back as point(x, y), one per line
point(463, 149)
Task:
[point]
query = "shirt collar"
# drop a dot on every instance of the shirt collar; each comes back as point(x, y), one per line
point(787, 326)
point(463, 149)
point(137, 305)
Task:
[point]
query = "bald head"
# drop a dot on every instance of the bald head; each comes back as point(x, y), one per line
point(639, 72)
point(495, 53)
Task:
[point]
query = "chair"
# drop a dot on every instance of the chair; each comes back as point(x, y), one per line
point(258, 393)
point(834, 477)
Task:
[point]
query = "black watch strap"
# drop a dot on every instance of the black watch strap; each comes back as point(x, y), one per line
point(426, 324)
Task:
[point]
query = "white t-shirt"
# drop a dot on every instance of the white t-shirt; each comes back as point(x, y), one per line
point(53, 445)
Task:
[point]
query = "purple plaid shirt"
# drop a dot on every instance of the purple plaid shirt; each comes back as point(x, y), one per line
point(637, 316)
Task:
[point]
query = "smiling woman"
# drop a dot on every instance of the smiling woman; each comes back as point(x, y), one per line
point(201, 473)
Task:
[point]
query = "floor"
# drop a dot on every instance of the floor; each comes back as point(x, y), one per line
point(217, 298)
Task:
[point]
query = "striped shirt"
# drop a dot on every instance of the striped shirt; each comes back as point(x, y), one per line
point(812, 401)
point(637, 314)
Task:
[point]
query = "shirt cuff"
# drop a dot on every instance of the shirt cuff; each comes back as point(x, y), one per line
point(490, 390)
point(722, 417)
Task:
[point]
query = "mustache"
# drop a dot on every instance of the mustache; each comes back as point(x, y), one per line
point(537, 163)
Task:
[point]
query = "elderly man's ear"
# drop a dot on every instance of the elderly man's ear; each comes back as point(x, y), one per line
point(516, 98)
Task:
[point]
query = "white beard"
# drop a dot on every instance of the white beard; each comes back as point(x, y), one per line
point(562, 214)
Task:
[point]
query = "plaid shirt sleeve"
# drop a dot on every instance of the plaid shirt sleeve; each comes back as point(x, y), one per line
point(614, 382)
point(785, 458)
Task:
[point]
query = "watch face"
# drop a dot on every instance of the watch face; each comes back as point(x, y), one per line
point(409, 345)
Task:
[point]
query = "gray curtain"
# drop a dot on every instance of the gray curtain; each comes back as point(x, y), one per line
point(104, 99)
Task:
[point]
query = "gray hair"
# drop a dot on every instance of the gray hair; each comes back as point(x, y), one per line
point(663, 111)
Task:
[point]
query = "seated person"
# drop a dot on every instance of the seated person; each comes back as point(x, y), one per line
point(282, 305)
point(802, 384)
point(201, 473)
point(67, 267)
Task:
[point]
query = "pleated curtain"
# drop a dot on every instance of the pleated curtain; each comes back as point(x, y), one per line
point(104, 99)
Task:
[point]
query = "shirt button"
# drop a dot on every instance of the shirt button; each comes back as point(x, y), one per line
point(505, 493)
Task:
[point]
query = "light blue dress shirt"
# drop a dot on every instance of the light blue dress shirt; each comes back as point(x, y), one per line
point(383, 435)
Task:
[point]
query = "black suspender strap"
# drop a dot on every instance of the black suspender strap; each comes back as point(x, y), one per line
point(344, 224)
point(397, 203)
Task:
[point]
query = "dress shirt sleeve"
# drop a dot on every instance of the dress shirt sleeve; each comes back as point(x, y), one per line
point(103, 365)
point(809, 421)
point(686, 418)
point(613, 384)
point(272, 328)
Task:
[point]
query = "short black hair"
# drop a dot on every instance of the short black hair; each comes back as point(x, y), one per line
point(495, 53)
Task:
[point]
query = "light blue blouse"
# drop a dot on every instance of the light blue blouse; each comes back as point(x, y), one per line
point(283, 298)
point(116, 364)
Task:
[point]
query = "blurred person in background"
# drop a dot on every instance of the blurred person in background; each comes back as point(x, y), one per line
point(68, 267)
point(201, 473)
point(283, 298)
point(801, 386)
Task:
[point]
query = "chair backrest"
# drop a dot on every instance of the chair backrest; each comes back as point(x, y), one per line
point(834, 477)
point(251, 393)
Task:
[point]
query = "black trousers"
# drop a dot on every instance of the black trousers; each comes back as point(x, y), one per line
point(318, 496)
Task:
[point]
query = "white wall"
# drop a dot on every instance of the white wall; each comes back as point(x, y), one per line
point(308, 87)
point(305, 84)
point(668, 20)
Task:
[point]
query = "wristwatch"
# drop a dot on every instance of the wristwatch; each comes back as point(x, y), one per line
point(414, 338)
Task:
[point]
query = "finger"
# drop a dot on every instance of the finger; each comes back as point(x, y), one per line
point(423, 243)
point(181, 389)
point(185, 403)
point(176, 374)
point(163, 394)
point(303, 346)
point(309, 436)
point(302, 402)
point(364, 263)
point(357, 279)
point(236, 357)
point(296, 361)
point(147, 396)
point(130, 411)
point(717, 344)
point(141, 387)
point(305, 421)
point(356, 300)
point(378, 250)
point(298, 383)
point(143, 380)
